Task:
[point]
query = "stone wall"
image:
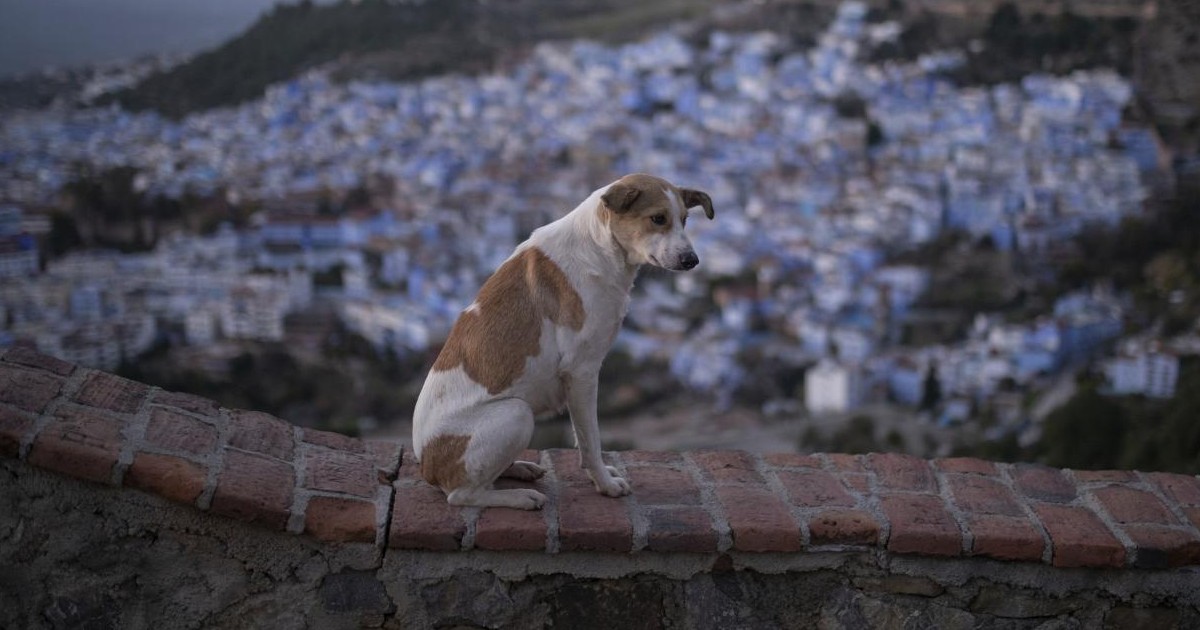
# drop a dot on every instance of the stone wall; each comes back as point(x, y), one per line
point(124, 506)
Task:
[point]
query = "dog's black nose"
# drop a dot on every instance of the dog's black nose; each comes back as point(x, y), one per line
point(689, 260)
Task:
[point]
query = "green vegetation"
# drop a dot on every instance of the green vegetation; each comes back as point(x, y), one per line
point(389, 40)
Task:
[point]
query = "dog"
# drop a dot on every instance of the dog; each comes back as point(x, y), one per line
point(535, 336)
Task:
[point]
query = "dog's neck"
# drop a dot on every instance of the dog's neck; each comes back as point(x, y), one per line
point(585, 233)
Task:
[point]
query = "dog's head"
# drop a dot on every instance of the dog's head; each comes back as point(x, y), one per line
point(647, 217)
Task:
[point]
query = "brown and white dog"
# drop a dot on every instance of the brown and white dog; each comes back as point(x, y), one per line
point(535, 336)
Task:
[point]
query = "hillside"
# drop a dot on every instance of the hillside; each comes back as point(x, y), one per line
point(389, 40)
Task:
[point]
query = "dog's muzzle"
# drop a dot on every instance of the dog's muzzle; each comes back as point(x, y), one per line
point(688, 260)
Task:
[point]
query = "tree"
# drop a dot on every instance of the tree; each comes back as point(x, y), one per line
point(931, 391)
point(1085, 433)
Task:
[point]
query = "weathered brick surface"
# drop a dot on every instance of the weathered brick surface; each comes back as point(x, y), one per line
point(332, 440)
point(171, 477)
point(1160, 547)
point(815, 489)
point(792, 460)
point(340, 471)
point(187, 402)
point(29, 357)
point(14, 426)
point(659, 485)
point(1005, 538)
point(254, 488)
point(921, 524)
point(28, 390)
point(502, 529)
point(983, 495)
point(686, 529)
point(1103, 476)
point(767, 503)
point(966, 465)
point(113, 393)
point(1079, 538)
point(340, 519)
point(844, 527)
point(79, 442)
point(174, 431)
point(421, 519)
point(1129, 505)
point(1182, 489)
point(728, 466)
point(1043, 484)
point(758, 519)
point(902, 472)
point(261, 433)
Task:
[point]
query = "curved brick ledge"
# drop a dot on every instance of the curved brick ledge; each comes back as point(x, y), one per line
point(253, 467)
point(239, 519)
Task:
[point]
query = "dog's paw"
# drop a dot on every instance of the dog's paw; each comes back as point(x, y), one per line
point(612, 485)
point(528, 499)
point(524, 471)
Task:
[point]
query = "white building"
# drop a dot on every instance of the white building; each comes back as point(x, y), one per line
point(830, 387)
point(1153, 374)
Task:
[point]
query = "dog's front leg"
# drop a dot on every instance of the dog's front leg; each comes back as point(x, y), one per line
point(581, 401)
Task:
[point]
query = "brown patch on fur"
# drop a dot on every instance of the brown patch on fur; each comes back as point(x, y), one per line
point(442, 461)
point(493, 341)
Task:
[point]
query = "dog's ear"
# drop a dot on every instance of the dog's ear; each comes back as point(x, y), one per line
point(693, 198)
point(620, 197)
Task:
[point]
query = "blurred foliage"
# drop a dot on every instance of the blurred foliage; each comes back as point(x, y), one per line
point(1128, 432)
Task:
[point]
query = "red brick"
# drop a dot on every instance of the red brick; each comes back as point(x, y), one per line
point(566, 465)
point(1181, 489)
point(1079, 538)
point(254, 488)
point(967, 465)
point(1042, 483)
point(80, 443)
point(729, 466)
point(170, 477)
point(504, 529)
point(1005, 538)
point(659, 485)
point(421, 519)
point(1127, 505)
point(261, 433)
point(759, 520)
point(335, 519)
point(332, 440)
point(13, 428)
point(1102, 476)
point(921, 524)
point(27, 390)
point(895, 471)
point(683, 529)
point(1193, 515)
point(590, 521)
point(186, 402)
point(1161, 547)
point(29, 357)
point(792, 460)
point(844, 527)
point(815, 489)
point(386, 457)
point(641, 458)
point(860, 483)
point(983, 495)
point(174, 431)
point(340, 471)
point(113, 393)
point(847, 463)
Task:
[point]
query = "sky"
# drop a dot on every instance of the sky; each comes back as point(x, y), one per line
point(39, 33)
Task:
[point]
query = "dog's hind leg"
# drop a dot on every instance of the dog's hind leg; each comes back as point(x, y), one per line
point(502, 430)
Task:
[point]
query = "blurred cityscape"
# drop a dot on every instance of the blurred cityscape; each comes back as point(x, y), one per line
point(904, 258)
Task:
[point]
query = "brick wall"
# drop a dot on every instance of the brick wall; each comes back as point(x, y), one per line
point(692, 513)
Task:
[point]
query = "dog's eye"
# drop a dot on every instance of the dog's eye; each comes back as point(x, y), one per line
point(659, 219)
point(683, 221)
